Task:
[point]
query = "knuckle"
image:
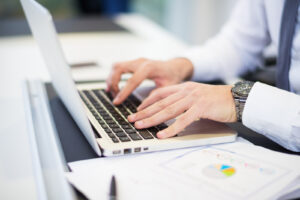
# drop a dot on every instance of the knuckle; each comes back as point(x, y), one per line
point(141, 59)
point(195, 95)
point(160, 105)
point(117, 67)
point(189, 84)
point(155, 93)
point(160, 93)
point(131, 81)
point(169, 110)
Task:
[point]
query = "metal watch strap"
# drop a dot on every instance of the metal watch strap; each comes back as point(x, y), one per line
point(239, 107)
point(240, 92)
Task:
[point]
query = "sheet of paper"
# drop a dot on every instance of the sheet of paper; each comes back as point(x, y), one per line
point(237, 171)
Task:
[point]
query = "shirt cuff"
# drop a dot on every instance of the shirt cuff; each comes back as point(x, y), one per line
point(274, 113)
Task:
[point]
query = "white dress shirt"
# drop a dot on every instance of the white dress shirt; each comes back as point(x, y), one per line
point(238, 48)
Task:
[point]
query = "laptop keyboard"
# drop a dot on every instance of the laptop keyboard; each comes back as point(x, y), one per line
point(113, 119)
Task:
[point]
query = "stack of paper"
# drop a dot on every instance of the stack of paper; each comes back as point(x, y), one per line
point(229, 171)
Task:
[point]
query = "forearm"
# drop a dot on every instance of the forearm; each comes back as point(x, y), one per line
point(274, 113)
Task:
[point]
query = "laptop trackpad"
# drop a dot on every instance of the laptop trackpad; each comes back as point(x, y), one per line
point(203, 126)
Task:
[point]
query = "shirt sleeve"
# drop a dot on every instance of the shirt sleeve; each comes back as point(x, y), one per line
point(274, 113)
point(237, 48)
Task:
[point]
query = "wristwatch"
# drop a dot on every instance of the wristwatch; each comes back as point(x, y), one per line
point(240, 92)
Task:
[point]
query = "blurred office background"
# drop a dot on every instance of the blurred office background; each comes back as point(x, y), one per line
point(191, 20)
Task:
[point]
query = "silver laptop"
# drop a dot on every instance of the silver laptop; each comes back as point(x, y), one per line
point(104, 125)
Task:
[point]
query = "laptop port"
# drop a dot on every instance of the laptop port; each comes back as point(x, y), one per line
point(146, 148)
point(116, 152)
point(127, 151)
point(138, 149)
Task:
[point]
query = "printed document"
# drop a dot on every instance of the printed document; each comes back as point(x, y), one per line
point(229, 171)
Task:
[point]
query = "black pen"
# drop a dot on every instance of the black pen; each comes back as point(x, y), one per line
point(113, 189)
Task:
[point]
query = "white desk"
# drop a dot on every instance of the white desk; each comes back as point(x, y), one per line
point(20, 59)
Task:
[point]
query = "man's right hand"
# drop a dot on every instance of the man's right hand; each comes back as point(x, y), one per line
point(163, 73)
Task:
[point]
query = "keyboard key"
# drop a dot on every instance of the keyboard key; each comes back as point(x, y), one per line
point(135, 137)
point(101, 110)
point(134, 100)
point(126, 114)
point(113, 125)
point(117, 130)
point(123, 122)
point(101, 122)
point(115, 140)
point(107, 118)
point(145, 134)
point(105, 114)
point(126, 126)
point(110, 122)
point(122, 109)
point(109, 107)
point(161, 126)
point(129, 131)
point(115, 114)
point(132, 109)
point(98, 106)
point(124, 139)
point(107, 130)
point(111, 135)
point(97, 117)
point(118, 117)
point(109, 95)
point(153, 131)
point(127, 103)
point(121, 134)
point(104, 126)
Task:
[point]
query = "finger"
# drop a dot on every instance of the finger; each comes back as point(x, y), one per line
point(169, 112)
point(114, 78)
point(156, 107)
point(157, 95)
point(116, 73)
point(136, 79)
point(183, 121)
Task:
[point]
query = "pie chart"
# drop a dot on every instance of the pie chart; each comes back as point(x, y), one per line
point(219, 171)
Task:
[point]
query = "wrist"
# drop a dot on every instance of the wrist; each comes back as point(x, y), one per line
point(231, 103)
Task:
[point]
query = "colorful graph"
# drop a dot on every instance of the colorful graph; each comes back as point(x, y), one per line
point(219, 171)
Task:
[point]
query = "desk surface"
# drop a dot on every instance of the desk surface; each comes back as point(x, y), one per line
point(19, 27)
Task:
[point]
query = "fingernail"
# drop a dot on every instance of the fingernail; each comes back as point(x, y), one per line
point(131, 117)
point(116, 99)
point(139, 124)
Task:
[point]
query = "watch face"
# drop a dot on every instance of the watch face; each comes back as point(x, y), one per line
point(243, 88)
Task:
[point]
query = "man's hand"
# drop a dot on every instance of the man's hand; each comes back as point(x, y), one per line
point(163, 73)
point(188, 102)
